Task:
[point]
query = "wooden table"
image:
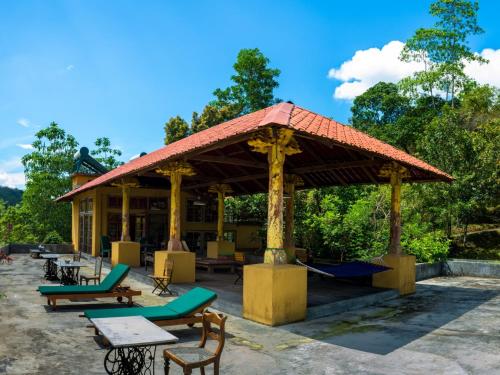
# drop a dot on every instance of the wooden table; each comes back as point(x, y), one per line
point(216, 264)
point(133, 341)
point(50, 266)
point(69, 271)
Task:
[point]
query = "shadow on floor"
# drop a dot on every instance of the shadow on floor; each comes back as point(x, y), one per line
point(390, 325)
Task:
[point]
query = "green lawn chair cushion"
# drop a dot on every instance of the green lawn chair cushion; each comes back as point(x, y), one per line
point(192, 300)
point(178, 308)
point(117, 274)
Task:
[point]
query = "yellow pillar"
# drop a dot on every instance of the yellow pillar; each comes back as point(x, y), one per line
point(275, 293)
point(276, 143)
point(125, 213)
point(175, 170)
point(126, 251)
point(402, 273)
point(184, 261)
point(291, 181)
point(220, 247)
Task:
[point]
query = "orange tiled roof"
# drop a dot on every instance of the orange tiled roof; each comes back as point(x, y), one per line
point(282, 114)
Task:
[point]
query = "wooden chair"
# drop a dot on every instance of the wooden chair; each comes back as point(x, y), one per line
point(96, 277)
point(200, 355)
point(239, 257)
point(77, 256)
point(163, 281)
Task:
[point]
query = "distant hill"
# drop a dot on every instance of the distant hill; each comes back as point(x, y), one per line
point(10, 196)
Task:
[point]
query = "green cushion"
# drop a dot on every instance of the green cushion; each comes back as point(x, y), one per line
point(70, 289)
point(151, 313)
point(192, 300)
point(115, 277)
point(178, 308)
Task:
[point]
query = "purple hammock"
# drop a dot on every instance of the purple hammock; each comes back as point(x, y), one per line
point(345, 270)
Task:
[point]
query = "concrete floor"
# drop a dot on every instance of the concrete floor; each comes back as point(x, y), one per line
point(450, 326)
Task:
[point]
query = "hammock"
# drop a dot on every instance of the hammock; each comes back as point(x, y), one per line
point(345, 270)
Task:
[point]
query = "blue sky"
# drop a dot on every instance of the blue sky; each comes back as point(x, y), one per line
point(121, 68)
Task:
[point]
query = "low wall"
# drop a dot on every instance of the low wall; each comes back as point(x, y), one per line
point(478, 268)
point(428, 270)
point(458, 267)
point(58, 248)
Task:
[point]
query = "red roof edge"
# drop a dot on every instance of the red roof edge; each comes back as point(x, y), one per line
point(279, 115)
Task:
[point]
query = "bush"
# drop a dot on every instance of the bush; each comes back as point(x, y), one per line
point(427, 246)
point(53, 237)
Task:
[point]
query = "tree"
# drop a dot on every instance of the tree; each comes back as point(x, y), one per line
point(47, 169)
point(175, 128)
point(443, 49)
point(254, 84)
point(105, 154)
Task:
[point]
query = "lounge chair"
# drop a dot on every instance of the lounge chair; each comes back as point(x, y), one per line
point(185, 309)
point(109, 287)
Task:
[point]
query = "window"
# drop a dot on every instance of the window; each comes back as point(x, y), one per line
point(114, 227)
point(157, 204)
point(230, 236)
point(138, 203)
point(115, 202)
point(85, 225)
point(194, 212)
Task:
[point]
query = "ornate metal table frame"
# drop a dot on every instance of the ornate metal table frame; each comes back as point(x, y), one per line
point(131, 360)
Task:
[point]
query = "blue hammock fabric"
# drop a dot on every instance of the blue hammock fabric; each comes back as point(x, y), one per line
point(345, 270)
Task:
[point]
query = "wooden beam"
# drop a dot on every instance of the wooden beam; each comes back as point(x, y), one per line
point(230, 161)
point(335, 165)
point(227, 181)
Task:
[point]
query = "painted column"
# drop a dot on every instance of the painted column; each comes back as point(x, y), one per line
point(221, 190)
point(175, 170)
point(125, 213)
point(276, 143)
point(291, 181)
point(395, 173)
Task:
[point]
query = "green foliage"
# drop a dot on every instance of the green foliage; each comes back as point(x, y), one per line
point(443, 49)
point(47, 169)
point(254, 84)
point(175, 128)
point(52, 238)
point(17, 225)
point(10, 196)
point(105, 154)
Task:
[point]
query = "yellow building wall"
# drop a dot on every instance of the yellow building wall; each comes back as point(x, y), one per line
point(246, 235)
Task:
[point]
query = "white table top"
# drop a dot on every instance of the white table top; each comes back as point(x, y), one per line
point(51, 256)
point(62, 263)
point(132, 331)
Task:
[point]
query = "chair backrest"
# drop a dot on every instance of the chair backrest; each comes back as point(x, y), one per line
point(115, 277)
point(77, 256)
point(105, 244)
point(168, 270)
point(185, 246)
point(98, 266)
point(239, 256)
point(219, 320)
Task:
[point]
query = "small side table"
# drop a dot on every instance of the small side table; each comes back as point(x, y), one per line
point(133, 341)
point(69, 271)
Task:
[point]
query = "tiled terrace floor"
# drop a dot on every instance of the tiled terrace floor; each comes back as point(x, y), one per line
point(450, 326)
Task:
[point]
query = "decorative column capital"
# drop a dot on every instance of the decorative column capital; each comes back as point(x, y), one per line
point(220, 188)
point(176, 167)
point(127, 182)
point(264, 140)
point(390, 169)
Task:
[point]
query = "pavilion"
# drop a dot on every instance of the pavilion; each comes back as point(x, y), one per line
point(275, 150)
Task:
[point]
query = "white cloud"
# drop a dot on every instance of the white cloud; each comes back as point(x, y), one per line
point(23, 122)
point(486, 73)
point(370, 66)
point(25, 146)
point(11, 174)
point(12, 180)
point(70, 67)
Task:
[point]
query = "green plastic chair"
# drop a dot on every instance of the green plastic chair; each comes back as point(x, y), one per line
point(105, 247)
